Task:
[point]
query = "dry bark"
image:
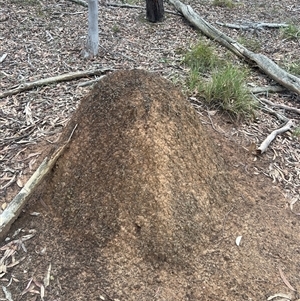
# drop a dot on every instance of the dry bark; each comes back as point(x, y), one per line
point(282, 77)
point(51, 80)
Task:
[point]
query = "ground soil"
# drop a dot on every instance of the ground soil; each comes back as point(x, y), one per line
point(150, 197)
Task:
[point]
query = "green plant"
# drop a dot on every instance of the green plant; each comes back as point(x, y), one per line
point(201, 58)
point(296, 132)
point(251, 44)
point(223, 3)
point(115, 28)
point(294, 67)
point(291, 32)
point(226, 90)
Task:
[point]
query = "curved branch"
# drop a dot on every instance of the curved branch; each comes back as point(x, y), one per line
point(262, 148)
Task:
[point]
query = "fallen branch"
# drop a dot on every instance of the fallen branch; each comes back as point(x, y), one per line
point(273, 112)
point(253, 25)
point(269, 110)
point(54, 79)
point(11, 213)
point(280, 106)
point(262, 148)
point(282, 77)
point(267, 89)
point(90, 82)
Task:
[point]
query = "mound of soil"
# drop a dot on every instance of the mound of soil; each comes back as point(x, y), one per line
point(143, 205)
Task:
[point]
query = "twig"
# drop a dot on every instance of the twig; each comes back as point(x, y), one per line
point(54, 79)
point(90, 82)
point(281, 106)
point(278, 115)
point(286, 282)
point(253, 25)
point(262, 148)
point(271, 111)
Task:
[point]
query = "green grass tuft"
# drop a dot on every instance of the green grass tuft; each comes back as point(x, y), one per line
point(251, 44)
point(227, 91)
point(201, 58)
point(296, 132)
point(294, 68)
point(291, 32)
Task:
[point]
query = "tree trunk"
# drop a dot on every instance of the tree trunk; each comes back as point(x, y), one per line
point(154, 10)
point(91, 48)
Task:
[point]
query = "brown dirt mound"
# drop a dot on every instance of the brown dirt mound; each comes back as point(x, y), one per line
point(142, 206)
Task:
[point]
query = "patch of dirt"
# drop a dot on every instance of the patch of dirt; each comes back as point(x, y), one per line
point(144, 205)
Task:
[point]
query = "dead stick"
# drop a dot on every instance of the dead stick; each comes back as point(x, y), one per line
point(281, 106)
point(54, 79)
point(262, 148)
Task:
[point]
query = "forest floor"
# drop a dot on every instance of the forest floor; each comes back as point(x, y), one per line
point(45, 38)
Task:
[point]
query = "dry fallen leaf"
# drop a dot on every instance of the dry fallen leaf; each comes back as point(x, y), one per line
point(20, 182)
point(7, 293)
point(238, 240)
point(286, 282)
point(47, 276)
